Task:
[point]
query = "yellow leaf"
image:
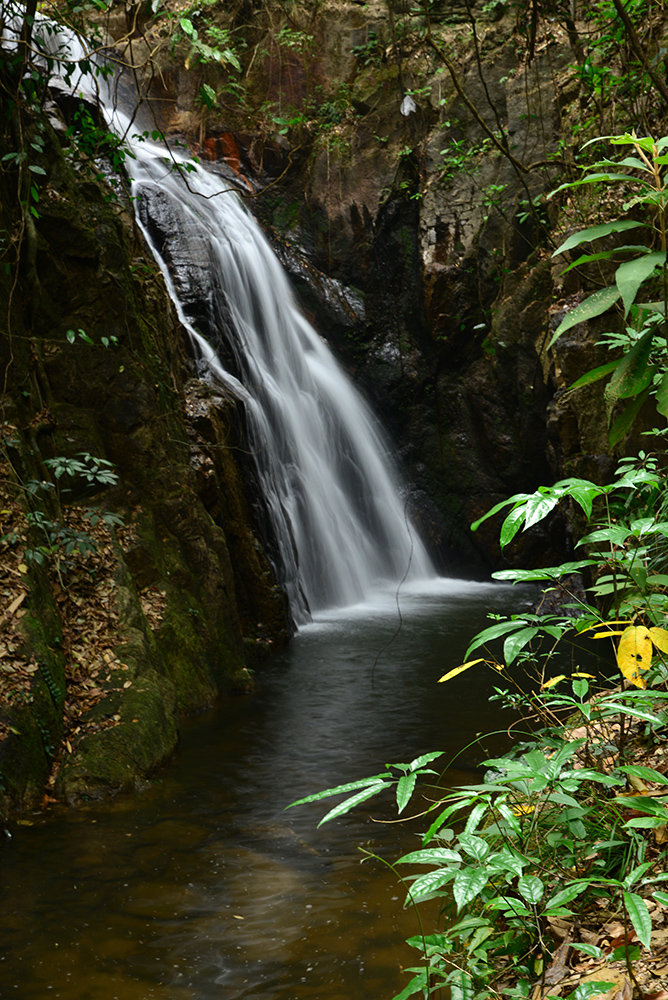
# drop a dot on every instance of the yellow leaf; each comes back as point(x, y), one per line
point(659, 637)
point(459, 670)
point(581, 673)
point(606, 635)
point(634, 653)
point(552, 681)
point(617, 621)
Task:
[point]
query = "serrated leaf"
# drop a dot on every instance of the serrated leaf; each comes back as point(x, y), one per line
point(468, 884)
point(636, 907)
point(595, 233)
point(592, 306)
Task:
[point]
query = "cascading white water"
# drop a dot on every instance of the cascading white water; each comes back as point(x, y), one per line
point(323, 465)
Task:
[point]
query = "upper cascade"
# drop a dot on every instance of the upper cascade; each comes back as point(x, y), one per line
point(323, 464)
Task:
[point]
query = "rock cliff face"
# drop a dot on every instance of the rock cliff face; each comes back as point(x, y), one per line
point(135, 584)
point(419, 242)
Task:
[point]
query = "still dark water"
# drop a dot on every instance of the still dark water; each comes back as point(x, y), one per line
point(202, 886)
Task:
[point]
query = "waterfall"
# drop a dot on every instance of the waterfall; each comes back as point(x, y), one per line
point(322, 461)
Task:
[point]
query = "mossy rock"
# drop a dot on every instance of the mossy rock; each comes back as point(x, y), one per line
point(122, 757)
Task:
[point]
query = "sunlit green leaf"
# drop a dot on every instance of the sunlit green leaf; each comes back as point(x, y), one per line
point(593, 306)
point(595, 233)
point(468, 884)
point(636, 907)
point(405, 787)
point(632, 273)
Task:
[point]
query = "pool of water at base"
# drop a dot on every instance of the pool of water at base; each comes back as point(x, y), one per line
point(202, 886)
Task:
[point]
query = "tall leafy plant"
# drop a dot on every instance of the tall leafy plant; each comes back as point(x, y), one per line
point(639, 288)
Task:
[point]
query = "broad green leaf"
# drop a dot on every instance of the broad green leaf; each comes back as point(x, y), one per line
point(566, 895)
point(495, 632)
point(636, 907)
point(646, 773)
point(437, 824)
point(591, 258)
point(431, 856)
point(350, 786)
point(633, 374)
point(477, 813)
point(354, 800)
point(610, 707)
point(187, 26)
point(622, 425)
point(597, 178)
point(405, 788)
point(425, 758)
point(531, 887)
point(590, 989)
point(547, 573)
point(426, 885)
point(514, 644)
point(512, 525)
point(475, 847)
point(418, 984)
point(593, 306)
point(230, 57)
point(468, 884)
point(595, 374)
point(645, 823)
point(499, 506)
point(538, 507)
point(595, 233)
point(662, 395)
point(644, 804)
point(661, 897)
point(632, 273)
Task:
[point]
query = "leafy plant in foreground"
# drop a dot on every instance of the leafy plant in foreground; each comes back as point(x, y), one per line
point(562, 825)
point(640, 370)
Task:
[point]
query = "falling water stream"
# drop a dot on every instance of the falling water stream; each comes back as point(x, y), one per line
point(202, 886)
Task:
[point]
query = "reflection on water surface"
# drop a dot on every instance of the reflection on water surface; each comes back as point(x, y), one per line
point(202, 886)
